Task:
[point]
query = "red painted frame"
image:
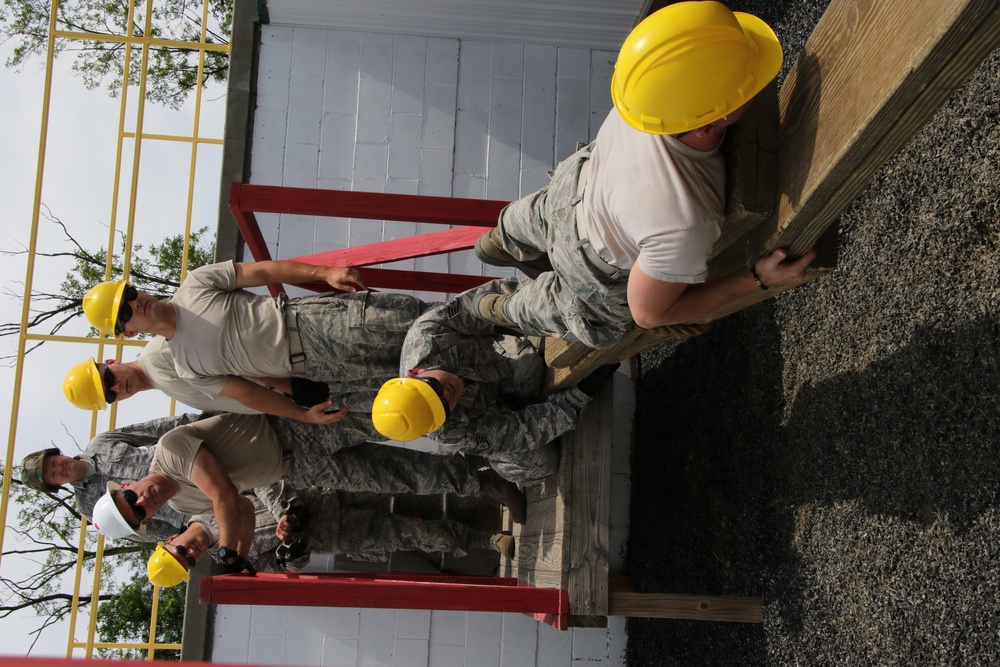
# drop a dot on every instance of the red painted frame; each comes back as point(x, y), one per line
point(472, 214)
point(389, 591)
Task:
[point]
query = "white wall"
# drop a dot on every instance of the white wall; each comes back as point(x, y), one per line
point(423, 115)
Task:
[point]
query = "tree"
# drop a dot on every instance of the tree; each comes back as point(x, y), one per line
point(172, 72)
point(157, 272)
point(47, 535)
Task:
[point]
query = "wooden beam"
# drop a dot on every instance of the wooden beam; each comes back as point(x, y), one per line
point(687, 607)
point(869, 77)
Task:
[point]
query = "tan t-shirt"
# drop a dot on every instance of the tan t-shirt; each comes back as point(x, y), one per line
point(158, 364)
point(224, 331)
point(652, 202)
point(246, 447)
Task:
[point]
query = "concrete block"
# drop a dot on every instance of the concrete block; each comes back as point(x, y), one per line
point(404, 145)
point(442, 62)
point(275, 63)
point(508, 61)
point(402, 186)
point(301, 165)
point(503, 169)
point(375, 646)
point(408, 74)
point(309, 53)
point(304, 640)
point(538, 113)
point(517, 658)
point(342, 622)
point(438, 129)
point(505, 111)
point(374, 97)
point(435, 172)
point(617, 640)
point(365, 231)
point(448, 628)
point(465, 185)
point(268, 620)
point(340, 652)
point(447, 656)
point(296, 237)
point(337, 139)
point(343, 72)
point(267, 649)
point(306, 114)
point(413, 624)
point(533, 181)
point(554, 647)
point(268, 147)
point(482, 647)
point(411, 653)
point(519, 632)
point(474, 76)
point(472, 134)
point(369, 166)
point(590, 644)
point(574, 64)
point(572, 121)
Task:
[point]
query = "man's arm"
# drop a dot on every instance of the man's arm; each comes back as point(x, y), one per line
point(270, 402)
point(271, 272)
point(656, 303)
point(233, 512)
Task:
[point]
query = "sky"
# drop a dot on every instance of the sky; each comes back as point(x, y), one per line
point(78, 188)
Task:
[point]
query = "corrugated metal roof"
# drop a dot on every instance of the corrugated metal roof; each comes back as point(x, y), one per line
point(591, 24)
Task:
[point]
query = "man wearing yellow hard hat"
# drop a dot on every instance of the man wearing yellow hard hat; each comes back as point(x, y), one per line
point(221, 336)
point(628, 223)
point(204, 467)
point(476, 388)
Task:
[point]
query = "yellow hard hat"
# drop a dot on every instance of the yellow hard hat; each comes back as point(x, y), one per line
point(101, 303)
point(407, 408)
point(83, 386)
point(692, 63)
point(164, 569)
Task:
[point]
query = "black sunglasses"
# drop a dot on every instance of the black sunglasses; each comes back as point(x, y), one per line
point(182, 551)
point(108, 381)
point(125, 310)
point(438, 388)
point(132, 498)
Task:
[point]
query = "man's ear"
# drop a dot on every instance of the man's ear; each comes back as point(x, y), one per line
point(414, 372)
point(109, 362)
point(129, 333)
point(170, 540)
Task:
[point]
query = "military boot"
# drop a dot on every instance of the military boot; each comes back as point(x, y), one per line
point(489, 251)
point(496, 487)
point(502, 543)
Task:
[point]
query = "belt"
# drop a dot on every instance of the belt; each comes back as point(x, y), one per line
point(296, 357)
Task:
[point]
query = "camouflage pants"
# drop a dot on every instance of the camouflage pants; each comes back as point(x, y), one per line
point(575, 301)
point(347, 524)
point(353, 341)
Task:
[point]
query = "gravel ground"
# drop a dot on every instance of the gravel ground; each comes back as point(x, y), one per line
point(836, 450)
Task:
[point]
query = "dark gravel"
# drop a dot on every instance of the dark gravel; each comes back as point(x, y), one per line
point(836, 450)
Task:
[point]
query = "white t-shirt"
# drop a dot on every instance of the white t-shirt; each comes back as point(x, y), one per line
point(157, 362)
point(224, 331)
point(245, 446)
point(652, 202)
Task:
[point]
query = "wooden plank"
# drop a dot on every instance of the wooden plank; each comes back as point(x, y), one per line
point(587, 532)
point(687, 607)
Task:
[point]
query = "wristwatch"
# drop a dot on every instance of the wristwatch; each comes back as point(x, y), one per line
point(225, 553)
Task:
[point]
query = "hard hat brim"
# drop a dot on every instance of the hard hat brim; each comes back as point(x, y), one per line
point(95, 377)
point(769, 52)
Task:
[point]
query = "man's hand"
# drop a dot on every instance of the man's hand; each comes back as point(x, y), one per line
point(318, 414)
point(287, 529)
point(776, 268)
point(346, 279)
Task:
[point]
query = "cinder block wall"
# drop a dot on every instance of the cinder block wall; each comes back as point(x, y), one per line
point(415, 115)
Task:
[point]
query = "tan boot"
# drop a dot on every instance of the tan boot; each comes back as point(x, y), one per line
point(489, 251)
point(489, 308)
point(503, 544)
point(496, 487)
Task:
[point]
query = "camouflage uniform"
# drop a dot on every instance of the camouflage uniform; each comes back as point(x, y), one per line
point(352, 342)
point(575, 301)
point(123, 455)
point(500, 415)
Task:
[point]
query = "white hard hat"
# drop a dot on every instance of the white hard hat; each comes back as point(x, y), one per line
point(108, 520)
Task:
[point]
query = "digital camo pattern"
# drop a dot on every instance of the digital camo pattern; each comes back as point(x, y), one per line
point(501, 414)
point(574, 301)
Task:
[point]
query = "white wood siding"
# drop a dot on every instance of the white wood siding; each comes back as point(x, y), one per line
point(591, 24)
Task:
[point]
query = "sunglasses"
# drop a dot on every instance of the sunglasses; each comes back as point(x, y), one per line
point(108, 381)
point(438, 388)
point(182, 552)
point(131, 498)
point(125, 310)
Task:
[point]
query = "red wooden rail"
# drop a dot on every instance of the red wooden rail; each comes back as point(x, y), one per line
point(472, 214)
point(389, 591)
